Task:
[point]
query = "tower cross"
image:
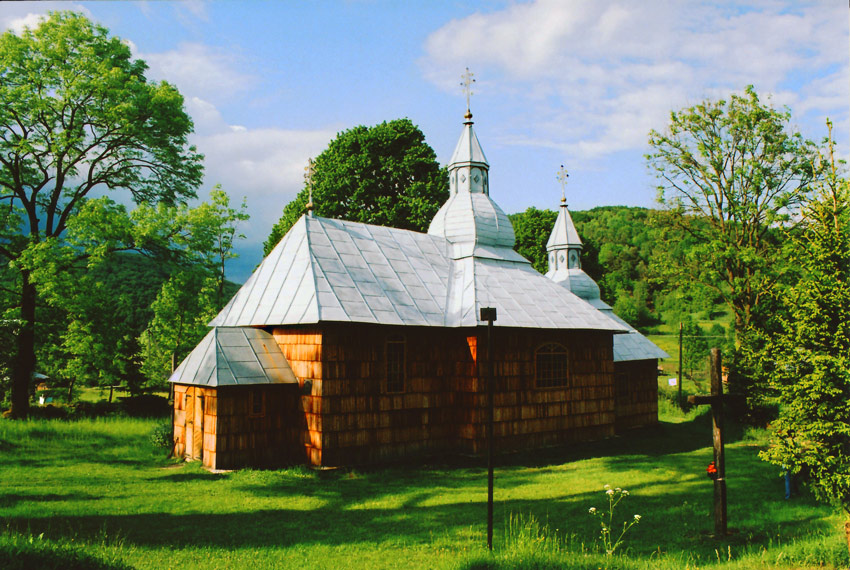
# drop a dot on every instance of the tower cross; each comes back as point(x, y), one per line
point(308, 179)
point(563, 177)
point(468, 80)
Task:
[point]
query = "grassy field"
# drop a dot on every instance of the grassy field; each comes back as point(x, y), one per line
point(98, 494)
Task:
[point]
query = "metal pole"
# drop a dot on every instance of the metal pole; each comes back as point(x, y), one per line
point(489, 314)
point(681, 403)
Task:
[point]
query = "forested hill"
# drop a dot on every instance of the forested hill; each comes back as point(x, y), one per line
point(624, 251)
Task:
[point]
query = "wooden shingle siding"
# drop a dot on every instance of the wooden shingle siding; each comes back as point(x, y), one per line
point(340, 412)
point(636, 399)
point(349, 418)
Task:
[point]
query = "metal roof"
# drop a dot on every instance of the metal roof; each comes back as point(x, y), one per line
point(335, 270)
point(234, 356)
point(564, 233)
point(633, 346)
point(470, 219)
point(468, 149)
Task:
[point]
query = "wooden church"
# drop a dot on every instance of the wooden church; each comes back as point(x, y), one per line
point(354, 344)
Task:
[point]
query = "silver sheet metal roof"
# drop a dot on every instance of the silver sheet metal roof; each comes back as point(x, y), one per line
point(234, 356)
point(564, 233)
point(633, 346)
point(334, 270)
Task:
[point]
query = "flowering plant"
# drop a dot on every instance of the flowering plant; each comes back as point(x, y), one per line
point(606, 519)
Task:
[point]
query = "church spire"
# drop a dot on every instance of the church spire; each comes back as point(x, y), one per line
point(564, 245)
point(469, 219)
point(468, 167)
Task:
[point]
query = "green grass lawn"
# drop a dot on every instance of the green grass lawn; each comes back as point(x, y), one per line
point(97, 494)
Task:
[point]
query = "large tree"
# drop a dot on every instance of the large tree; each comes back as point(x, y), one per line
point(385, 175)
point(731, 171)
point(77, 115)
point(810, 354)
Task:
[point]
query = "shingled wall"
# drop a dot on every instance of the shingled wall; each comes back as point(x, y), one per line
point(636, 393)
point(351, 419)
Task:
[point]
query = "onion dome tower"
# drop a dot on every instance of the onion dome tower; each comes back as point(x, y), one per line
point(472, 223)
point(564, 247)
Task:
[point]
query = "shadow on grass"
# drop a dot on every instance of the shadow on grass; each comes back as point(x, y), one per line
point(8, 500)
point(414, 504)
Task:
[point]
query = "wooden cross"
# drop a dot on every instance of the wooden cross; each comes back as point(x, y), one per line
point(563, 177)
point(716, 400)
point(467, 82)
point(308, 179)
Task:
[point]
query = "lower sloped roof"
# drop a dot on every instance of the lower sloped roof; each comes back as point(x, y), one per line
point(234, 356)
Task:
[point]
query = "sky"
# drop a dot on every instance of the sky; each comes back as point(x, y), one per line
point(581, 83)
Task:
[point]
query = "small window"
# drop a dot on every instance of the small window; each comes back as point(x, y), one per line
point(551, 366)
point(257, 402)
point(395, 364)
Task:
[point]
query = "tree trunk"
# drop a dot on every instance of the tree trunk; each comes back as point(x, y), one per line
point(23, 364)
point(847, 534)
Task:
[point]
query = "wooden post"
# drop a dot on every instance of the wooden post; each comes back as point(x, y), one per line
point(681, 402)
point(716, 402)
point(489, 314)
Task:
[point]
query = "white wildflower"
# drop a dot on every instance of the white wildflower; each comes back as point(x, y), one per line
point(637, 518)
point(606, 487)
point(625, 493)
point(592, 510)
point(609, 492)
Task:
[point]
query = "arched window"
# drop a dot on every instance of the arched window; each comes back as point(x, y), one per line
point(395, 363)
point(551, 370)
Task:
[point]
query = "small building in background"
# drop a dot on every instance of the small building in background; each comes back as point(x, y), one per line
point(360, 344)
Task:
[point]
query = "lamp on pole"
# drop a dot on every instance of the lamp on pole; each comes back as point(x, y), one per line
point(489, 314)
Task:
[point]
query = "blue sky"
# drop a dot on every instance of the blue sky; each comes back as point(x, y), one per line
point(574, 82)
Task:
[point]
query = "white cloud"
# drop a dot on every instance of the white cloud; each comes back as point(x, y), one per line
point(200, 70)
point(16, 16)
point(265, 165)
point(593, 77)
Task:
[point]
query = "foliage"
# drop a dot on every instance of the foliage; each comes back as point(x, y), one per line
point(184, 306)
point(77, 115)
point(619, 249)
point(810, 367)
point(731, 172)
point(606, 520)
point(532, 229)
point(695, 347)
point(385, 175)
point(213, 227)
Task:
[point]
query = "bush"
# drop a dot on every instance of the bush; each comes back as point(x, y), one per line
point(162, 435)
point(145, 406)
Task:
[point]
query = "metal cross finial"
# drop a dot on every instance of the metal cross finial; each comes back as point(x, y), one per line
point(468, 80)
point(563, 177)
point(308, 179)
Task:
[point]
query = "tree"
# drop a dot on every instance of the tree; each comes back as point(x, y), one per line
point(811, 370)
point(385, 175)
point(731, 172)
point(532, 229)
point(77, 114)
point(213, 228)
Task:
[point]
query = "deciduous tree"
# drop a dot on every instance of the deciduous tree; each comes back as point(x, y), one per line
point(385, 175)
point(78, 114)
point(731, 171)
